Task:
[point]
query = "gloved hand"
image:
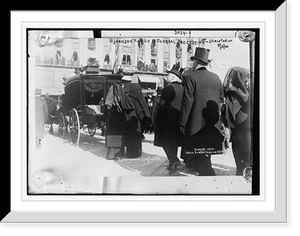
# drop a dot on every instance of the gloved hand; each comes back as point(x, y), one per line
point(182, 129)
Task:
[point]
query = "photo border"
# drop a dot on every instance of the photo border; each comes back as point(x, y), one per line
point(280, 213)
point(155, 185)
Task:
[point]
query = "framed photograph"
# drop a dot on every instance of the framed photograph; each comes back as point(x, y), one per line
point(148, 121)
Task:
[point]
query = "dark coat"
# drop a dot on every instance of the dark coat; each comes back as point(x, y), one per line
point(153, 111)
point(117, 107)
point(237, 116)
point(237, 103)
point(167, 129)
point(202, 96)
point(137, 120)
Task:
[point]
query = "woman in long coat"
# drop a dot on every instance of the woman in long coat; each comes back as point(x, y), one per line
point(236, 115)
point(137, 120)
point(117, 105)
point(167, 129)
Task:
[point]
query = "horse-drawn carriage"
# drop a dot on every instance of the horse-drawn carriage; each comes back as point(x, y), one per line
point(83, 103)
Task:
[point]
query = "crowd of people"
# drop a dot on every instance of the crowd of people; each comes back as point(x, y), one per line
point(194, 111)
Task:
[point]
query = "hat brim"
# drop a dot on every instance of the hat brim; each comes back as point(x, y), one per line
point(175, 73)
point(201, 60)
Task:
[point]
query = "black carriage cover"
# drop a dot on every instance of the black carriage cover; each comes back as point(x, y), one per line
point(93, 90)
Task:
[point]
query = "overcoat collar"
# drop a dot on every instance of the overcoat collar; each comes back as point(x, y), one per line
point(175, 82)
point(201, 68)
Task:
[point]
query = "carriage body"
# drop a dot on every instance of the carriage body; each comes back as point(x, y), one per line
point(83, 103)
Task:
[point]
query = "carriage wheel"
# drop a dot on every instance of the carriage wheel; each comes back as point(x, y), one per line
point(74, 126)
point(61, 125)
point(92, 130)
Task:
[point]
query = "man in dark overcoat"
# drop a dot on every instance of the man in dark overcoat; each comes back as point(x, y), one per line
point(167, 129)
point(202, 97)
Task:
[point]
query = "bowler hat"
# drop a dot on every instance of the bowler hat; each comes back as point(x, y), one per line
point(176, 70)
point(201, 54)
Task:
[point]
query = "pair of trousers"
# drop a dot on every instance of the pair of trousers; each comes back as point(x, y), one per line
point(171, 152)
point(241, 148)
point(200, 163)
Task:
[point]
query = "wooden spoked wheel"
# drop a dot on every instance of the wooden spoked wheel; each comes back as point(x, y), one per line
point(61, 125)
point(74, 126)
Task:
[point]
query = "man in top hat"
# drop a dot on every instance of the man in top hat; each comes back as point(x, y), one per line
point(202, 93)
point(167, 129)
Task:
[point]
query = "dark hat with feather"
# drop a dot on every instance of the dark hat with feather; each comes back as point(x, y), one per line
point(176, 70)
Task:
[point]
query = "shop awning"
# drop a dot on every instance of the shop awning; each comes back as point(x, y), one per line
point(149, 79)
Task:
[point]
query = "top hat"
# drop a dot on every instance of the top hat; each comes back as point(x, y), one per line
point(176, 70)
point(201, 54)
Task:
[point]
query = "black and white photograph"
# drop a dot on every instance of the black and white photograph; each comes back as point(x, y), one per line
point(143, 111)
point(149, 117)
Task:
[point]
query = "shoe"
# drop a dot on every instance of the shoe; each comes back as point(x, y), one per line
point(178, 165)
point(169, 167)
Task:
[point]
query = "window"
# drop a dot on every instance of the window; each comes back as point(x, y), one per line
point(140, 55)
point(189, 55)
point(153, 48)
point(153, 66)
point(126, 59)
point(75, 58)
point(75, 52)
point(107, 54)
point(166, 64)
point(57, 57)
point(178, 53)
point(91, 44)
point(166, 56)
point(106, 59)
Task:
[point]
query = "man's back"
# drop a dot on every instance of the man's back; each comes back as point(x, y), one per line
point(201, 86)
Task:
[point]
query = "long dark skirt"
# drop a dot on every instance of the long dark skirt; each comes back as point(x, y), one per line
point(115, 130)
point(134, 148)
point(241, 148)
point(114, 152)
point(114, 146)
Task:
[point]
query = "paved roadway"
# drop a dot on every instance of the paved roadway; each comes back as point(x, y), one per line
point(59, 157)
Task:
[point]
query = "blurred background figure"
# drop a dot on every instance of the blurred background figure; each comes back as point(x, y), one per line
point(41, 117)
point(52, 107)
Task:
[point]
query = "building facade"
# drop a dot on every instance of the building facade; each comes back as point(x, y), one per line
point(59, 59)
point(132, 54)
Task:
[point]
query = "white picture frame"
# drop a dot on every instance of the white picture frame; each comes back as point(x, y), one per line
point(269, 207)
